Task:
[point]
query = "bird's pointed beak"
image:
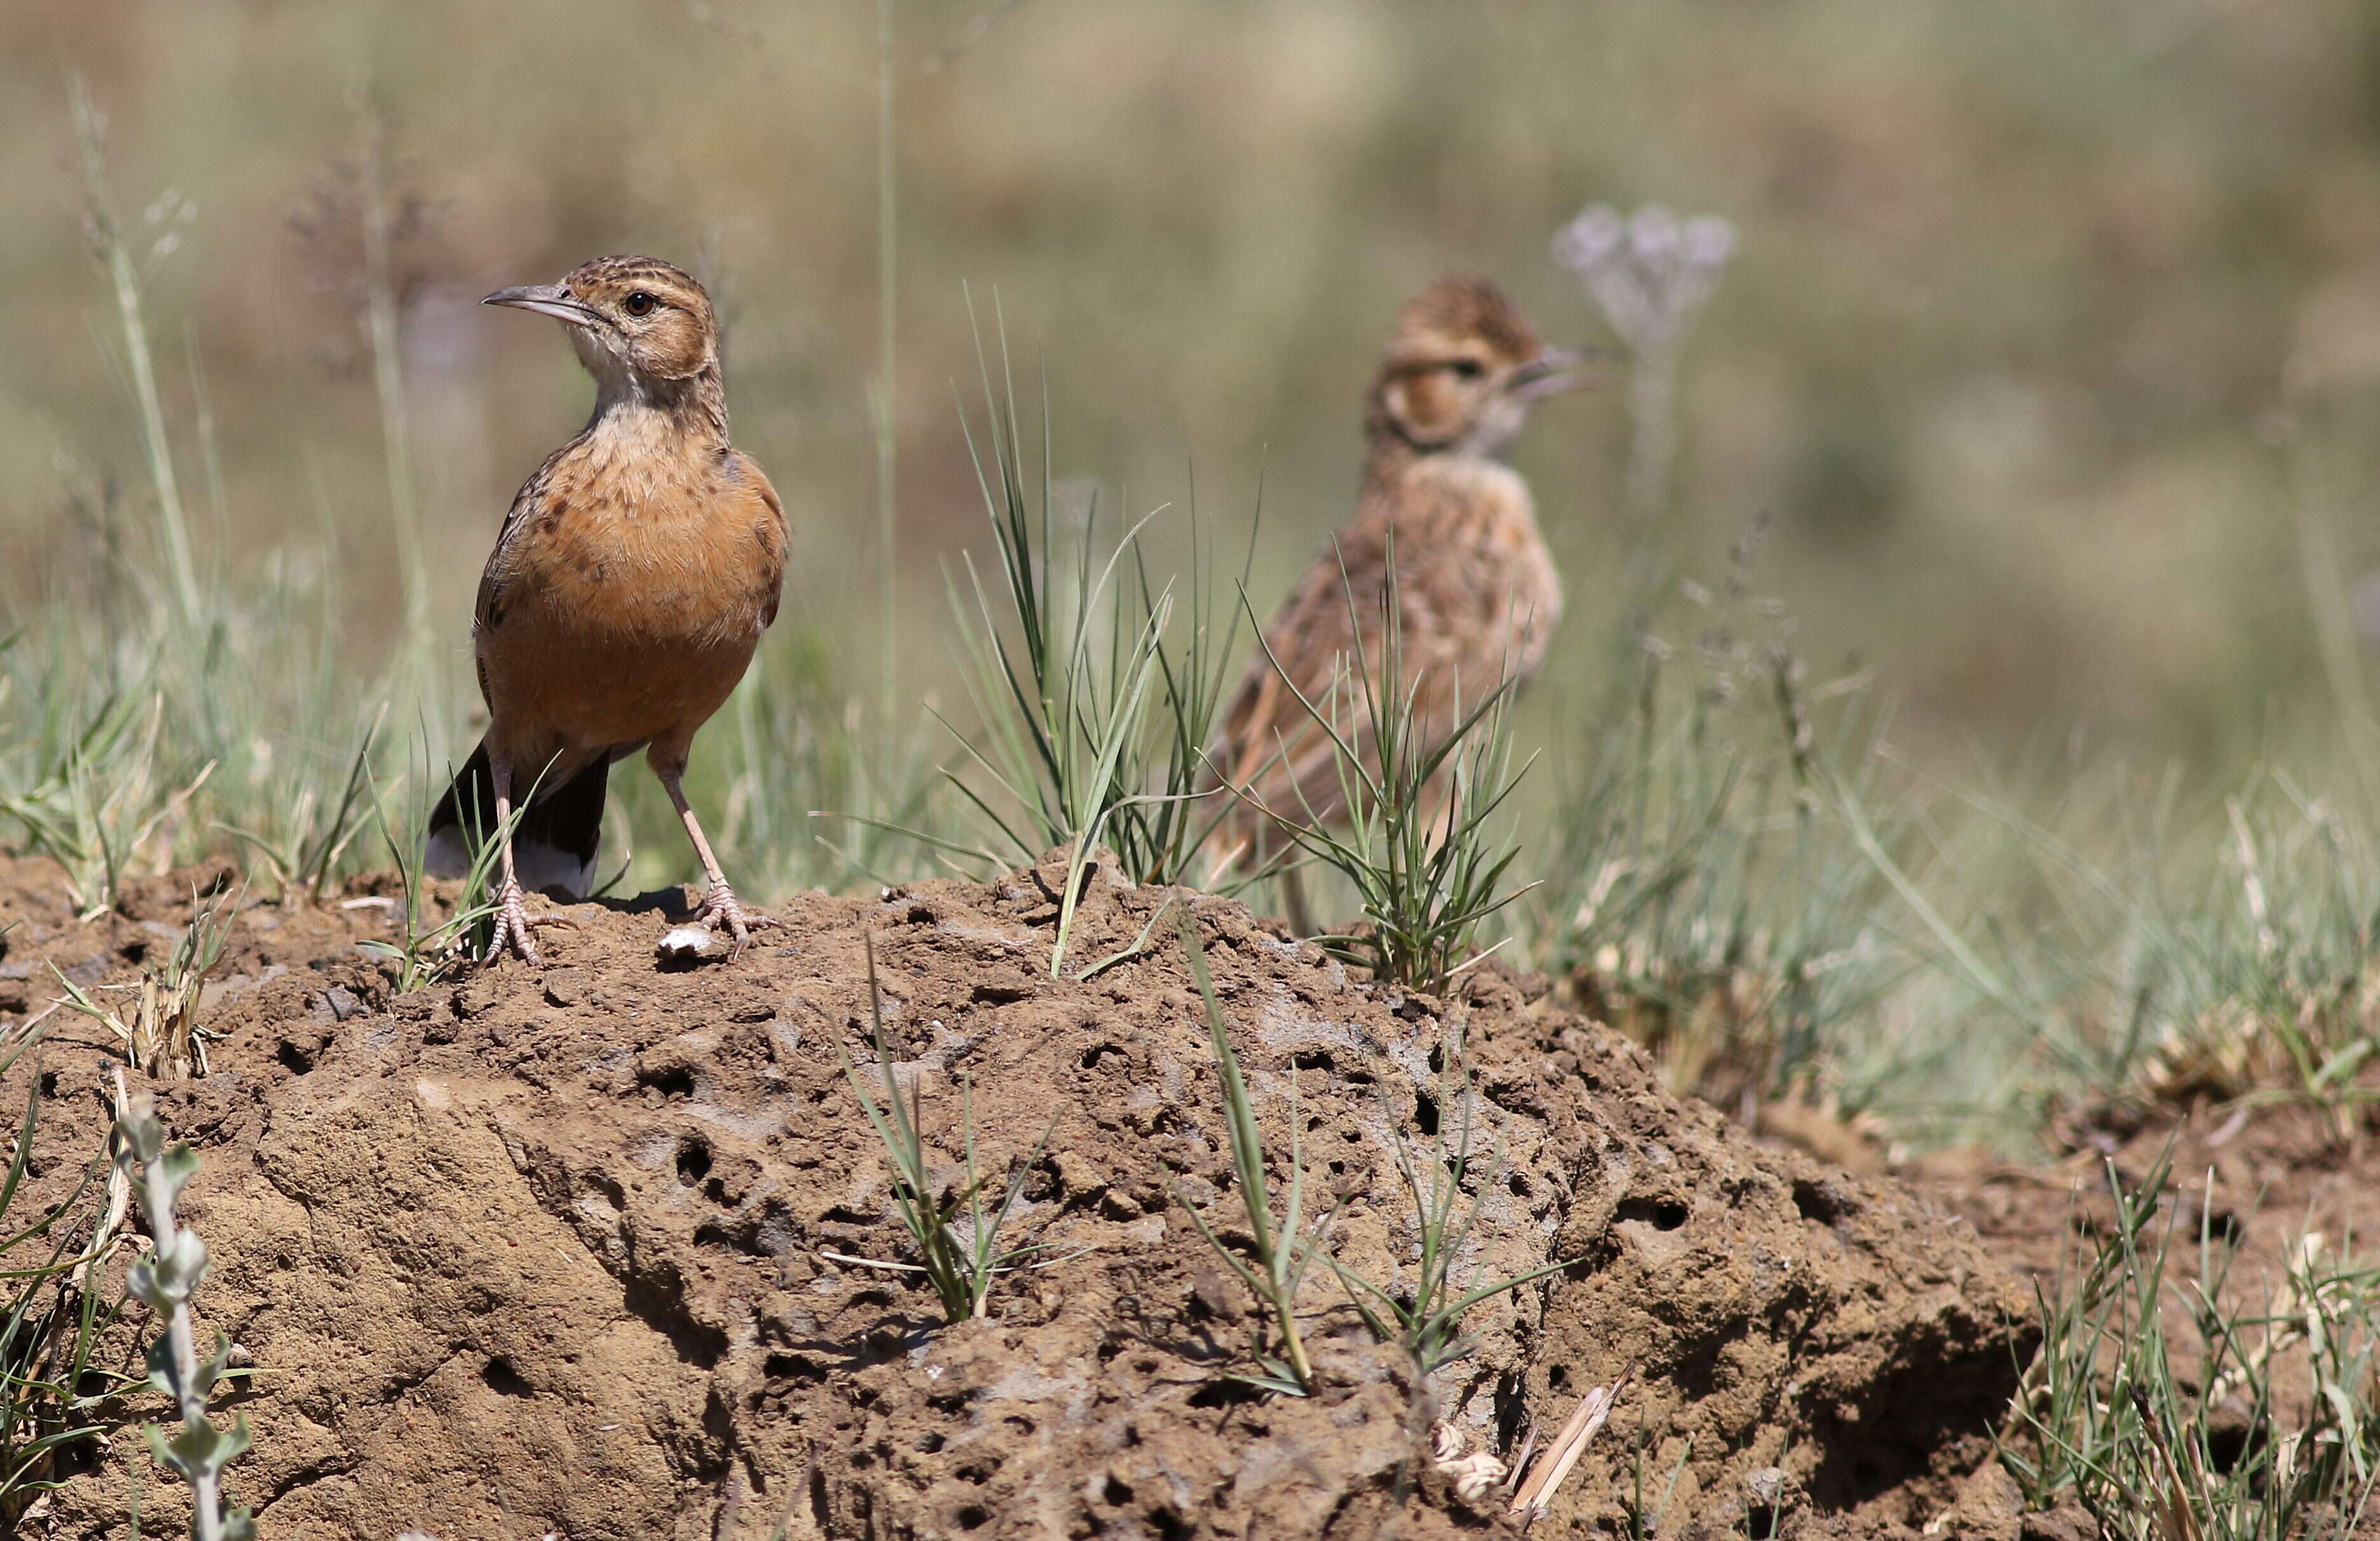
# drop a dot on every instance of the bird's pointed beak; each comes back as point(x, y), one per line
point(1556, 369)
point(546, 299)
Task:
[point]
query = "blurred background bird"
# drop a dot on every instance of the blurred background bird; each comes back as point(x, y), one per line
point(1444, 538)
point(631, 582)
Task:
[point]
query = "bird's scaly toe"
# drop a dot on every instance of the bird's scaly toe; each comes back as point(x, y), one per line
point(515, 927)
point(721, 908)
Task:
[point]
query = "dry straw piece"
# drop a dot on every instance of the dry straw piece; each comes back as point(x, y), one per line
point(1544, 1480)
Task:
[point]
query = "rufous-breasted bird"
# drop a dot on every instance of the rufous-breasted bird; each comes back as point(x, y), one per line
point(1476, 593)
point(633, 575)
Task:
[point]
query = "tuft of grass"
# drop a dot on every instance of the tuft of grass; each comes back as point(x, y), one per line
point(1645, 1522)
point(2173, 1408)
point(102, 801)
point(1280, 1250)
point(115, 253)
point(1699, 893)
point(160, 1031)
point(1423, 1314)
point(1094, 726)
point(379, 220)
point(957, 1241)
point(316, 834)
point(428, 949)
point(1419, 789)
point(54, 1306)
point(814, 790)
point(157, 707)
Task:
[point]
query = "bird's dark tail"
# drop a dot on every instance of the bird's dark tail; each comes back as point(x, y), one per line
point(553, 843)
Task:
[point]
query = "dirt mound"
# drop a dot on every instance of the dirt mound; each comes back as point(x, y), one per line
point(541, 1252)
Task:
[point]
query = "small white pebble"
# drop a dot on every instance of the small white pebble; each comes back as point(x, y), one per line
point(687, 941)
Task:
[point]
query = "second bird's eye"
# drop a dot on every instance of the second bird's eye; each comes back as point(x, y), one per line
point(640, 304)
point(1466, 369)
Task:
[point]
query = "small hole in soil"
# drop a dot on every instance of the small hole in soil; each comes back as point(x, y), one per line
point(1224, 1393)
point(49, 1083)
point(1760, 1520)
point(133, 952)
point(976, 1474)
point(504, 1380)
point(1170, 1525)
point(2227, 1445)
point(1823, 1202)
point(294, 1058)
point(693, 1162)
point(972, 1517)
point(1105, 1051)
point(1556, 1377)
point(1313, 1058)
point(1517, 1185)
point(791, 1366)
point(76, 1458)
point(2222, 1224)
point(1437, 1058)
point(1116, 1493)
point(1426, 1113)
point(1662, 1214)
point(677, 1081)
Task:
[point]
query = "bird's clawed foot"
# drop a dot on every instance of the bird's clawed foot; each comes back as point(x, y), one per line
point(514, 926)
point(721, 908)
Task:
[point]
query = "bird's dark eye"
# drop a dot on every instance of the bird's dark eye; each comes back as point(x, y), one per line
point(640, 304)
point(1466, 369)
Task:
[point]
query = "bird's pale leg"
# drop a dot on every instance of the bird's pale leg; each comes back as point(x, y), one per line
point(718, 903)
point(1291, 885)
point(513, 922)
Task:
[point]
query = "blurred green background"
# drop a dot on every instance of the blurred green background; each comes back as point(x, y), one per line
point(2052, 331)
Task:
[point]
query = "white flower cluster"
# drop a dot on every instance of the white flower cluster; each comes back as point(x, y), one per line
point(1649, 271)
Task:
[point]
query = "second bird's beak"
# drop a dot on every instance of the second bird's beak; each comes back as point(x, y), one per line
point(1556, 369)
point(546, 299)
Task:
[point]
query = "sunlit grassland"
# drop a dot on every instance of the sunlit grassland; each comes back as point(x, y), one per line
point(1729, 843)
point(1716, 845)
point(1720, 848)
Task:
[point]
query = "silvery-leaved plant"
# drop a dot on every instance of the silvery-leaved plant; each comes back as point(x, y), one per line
point(1649, 272)
point(164, 1280)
